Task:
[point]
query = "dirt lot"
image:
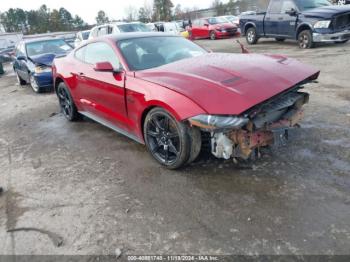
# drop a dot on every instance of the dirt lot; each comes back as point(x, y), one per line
point(101, 191)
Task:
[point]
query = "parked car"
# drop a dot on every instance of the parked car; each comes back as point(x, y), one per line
point(81, 38)
point(212, 27)
point(171, 94)
point(118, 27)
point(33, 59)
point(232, 19)
point(343, 2)
point(308, 21)
point(6, 54)
point(171, 28)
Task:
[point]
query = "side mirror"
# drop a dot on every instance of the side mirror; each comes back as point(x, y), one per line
point(106, 67)
point(207, 25)
point(22, 58)
point(291, 12)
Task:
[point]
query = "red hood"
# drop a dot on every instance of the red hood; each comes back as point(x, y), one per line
point(225, 25)
point(230, 83)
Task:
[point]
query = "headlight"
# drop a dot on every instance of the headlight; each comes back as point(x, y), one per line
point(42, 69)
point(211, 123)
point(322, 24)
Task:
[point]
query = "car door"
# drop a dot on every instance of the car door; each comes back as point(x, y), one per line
point(195, 29)
point(204, 28)
point(20, 64)
point(273, 18)
point(287, 26)
point(103, 93)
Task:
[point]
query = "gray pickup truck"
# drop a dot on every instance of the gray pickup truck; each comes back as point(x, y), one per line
point(307, 21)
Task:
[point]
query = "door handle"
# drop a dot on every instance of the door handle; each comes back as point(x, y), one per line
point(267, 18)
point(280, 18)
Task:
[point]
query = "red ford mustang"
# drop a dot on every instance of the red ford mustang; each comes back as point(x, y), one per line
point(174, 96)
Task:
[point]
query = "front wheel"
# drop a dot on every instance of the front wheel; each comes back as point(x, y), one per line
point(34, 84)
point(212, 35)
point(251, 36)
point(305, 39)
point(166, 139)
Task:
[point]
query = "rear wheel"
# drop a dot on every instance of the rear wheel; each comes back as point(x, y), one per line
point(251, 36)
point(212, 35)
point(167, 140)
point(305, 39)
point(341, 2)
point(66, 102)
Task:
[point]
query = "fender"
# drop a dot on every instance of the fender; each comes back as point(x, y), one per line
point(248, 24)
point(303, 24)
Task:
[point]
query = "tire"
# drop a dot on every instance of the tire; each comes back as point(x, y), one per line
point(20, 81)
point(166, 139)
point(280, 39)
point(341, 2)
point(305, 39)
point(34, 85)
point(251, 36)
point(212, 35)
point(67, 105)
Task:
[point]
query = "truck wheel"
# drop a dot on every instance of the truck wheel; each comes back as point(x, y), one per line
point(280, 39)
point(305, 39)
point(251, 36)
point(212, 35)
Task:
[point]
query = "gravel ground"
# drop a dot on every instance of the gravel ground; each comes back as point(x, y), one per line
point(101, 191)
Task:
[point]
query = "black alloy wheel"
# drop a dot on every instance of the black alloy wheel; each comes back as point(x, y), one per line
point(66, 102)
point(166, 139)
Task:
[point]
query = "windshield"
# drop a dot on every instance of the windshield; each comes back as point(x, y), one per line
point(310, 4)
point(231, 18)
point(126, 28)
point(150, 52)
point(217, 20)
point(57, 47)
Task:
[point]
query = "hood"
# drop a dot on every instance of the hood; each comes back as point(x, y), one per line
point(45, 59)
point(327, 12)
point(225, 25)
point(230, 84)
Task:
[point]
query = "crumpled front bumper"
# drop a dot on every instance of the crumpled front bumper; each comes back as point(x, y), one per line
point(335, 37)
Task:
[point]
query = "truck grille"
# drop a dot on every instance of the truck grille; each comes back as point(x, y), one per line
point(342, 21)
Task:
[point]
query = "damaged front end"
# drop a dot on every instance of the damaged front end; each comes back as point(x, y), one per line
point(266, 124)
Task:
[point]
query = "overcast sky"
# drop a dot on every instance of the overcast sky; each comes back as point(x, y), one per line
point(88, 9)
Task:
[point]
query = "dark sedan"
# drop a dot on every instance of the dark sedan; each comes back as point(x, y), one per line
point(33, 59)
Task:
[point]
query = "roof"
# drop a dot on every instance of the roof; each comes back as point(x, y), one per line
point(125, 36)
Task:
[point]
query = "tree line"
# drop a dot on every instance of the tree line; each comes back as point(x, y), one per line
point(46, 20)
point(42, 20)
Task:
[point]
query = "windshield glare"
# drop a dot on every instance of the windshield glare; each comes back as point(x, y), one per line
point(127, 28)
point(310, 4)
point(150, 52)
point(56, 47)
point(217, 20)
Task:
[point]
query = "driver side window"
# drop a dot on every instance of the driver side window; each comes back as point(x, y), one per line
point(101, 52)
point(287, 5)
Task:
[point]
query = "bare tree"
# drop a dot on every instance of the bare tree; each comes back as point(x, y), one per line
point(131, 13)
